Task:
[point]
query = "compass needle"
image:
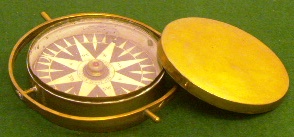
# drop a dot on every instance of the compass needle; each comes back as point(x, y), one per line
point(84, 53)
point(69, 78)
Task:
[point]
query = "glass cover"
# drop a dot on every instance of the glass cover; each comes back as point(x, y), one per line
point(95, 57)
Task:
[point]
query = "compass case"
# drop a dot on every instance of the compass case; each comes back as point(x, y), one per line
point(121, 83)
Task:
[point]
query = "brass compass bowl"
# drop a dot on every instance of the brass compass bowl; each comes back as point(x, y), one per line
point(92, 72)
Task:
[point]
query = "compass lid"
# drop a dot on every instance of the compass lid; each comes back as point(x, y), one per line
point(223, 65)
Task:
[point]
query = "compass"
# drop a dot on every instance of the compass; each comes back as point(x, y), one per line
point(104, 72)
point(93, 72)
point(97, 59)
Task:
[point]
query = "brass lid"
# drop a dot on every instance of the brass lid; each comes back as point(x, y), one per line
point(223, 65)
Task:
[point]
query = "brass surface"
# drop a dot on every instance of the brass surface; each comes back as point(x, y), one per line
point(152, 115)
point(84, 123)
point(45, 16)
point(223, 65)
point(94, 70)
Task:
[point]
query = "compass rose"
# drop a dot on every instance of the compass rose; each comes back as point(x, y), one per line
point(95, 65)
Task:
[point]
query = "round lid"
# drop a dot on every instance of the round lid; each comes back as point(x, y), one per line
point(223, 65)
